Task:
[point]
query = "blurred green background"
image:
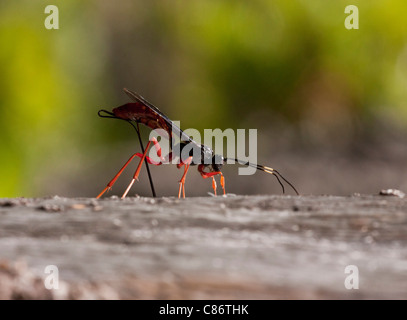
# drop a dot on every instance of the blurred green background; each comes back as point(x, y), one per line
point(329, 103)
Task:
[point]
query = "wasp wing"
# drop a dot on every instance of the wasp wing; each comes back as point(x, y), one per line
point(160, 121)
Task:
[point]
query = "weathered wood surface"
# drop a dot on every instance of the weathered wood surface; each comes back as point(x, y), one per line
point(245, 247)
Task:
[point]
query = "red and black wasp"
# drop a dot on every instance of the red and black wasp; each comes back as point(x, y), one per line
point(209, 164)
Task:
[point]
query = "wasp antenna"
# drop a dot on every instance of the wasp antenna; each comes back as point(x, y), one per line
point(267, 170)
point(288, 182)
point(277, 174)
point(279, 181)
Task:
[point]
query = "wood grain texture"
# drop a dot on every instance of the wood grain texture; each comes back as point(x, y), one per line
point(236, 247)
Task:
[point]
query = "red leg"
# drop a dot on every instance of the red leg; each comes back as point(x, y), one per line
point(143, 158)
point(112, 182)
point(158, 150)
point(212, 175)
point(187, 163)
point(157, 146)
point(136, 174)
point(146, 158)
point(150, 161)
point(222, 183)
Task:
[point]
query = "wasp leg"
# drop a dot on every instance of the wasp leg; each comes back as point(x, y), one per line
point(112, 182)
point(187, 163)
point(222, 183)
point(136, 174)
point(149, 160)
point(212, 175)
point(214, 185)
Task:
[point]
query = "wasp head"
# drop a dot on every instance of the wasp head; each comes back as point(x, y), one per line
point(217, 162)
